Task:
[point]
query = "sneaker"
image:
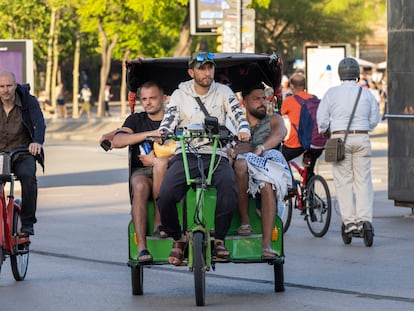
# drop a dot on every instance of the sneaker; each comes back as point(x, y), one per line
point(350, 227)
point(360, 225)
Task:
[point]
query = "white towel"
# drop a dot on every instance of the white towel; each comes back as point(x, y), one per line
point(270, 168)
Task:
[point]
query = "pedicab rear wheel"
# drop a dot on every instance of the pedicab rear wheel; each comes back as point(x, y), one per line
point(137, 279)
point(199, 268)
point(279, 277)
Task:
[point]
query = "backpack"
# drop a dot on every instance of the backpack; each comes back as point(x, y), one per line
point(308, 127)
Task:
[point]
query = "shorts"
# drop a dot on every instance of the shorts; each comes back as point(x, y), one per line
point(142, 171)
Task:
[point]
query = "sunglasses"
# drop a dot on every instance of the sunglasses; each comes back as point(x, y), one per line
point(204, 56)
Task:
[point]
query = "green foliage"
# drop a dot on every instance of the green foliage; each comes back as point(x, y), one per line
point(285, 26)
point(157, 26)
point(22, 19)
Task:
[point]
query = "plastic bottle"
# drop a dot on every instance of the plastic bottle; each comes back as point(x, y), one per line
point(145, 148)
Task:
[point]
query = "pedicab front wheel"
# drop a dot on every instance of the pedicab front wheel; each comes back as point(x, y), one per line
point(199, 268)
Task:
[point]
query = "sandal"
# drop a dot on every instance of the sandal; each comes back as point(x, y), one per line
point(160, 233)
point(220, 251)
point(176, 255)
point(244, 230)
point(268, 254)
point(144, 256)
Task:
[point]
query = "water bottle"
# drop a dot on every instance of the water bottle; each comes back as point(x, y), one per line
point(147, 147)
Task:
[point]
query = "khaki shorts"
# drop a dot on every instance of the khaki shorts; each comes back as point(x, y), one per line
point(142, 171)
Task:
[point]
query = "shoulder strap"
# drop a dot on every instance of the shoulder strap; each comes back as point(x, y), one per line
point(299, 99)
point(353, 113)
point(203, 108)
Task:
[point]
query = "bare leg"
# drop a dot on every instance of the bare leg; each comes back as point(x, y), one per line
point(268, 196)
point(159, 169)
point(242, 180)
point(141, 186)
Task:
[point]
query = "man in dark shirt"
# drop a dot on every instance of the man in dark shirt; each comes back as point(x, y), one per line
point(22, 124)
point(147, 170)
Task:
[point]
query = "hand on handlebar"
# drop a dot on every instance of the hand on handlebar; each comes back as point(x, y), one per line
point(35, 148)
point(243, 136)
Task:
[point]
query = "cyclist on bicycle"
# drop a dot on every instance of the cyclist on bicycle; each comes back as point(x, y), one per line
point(292, 148)
point(22, 124)
point(263, 171)
point(183, 110)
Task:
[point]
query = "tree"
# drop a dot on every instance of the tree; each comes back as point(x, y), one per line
point(285, 26)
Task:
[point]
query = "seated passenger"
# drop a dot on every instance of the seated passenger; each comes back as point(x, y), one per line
point(147, 170)
point(264, 170)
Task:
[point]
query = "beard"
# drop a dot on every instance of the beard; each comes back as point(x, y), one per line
point(259, 114)
point(205, 82)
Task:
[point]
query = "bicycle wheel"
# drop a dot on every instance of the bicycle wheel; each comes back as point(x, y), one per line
point(137, 280)
point(199, 268)
point(1, 258)
point(287, 214)
point(20, 259)
point(319, 206)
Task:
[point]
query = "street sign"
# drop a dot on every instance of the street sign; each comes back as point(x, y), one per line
point(207, 15)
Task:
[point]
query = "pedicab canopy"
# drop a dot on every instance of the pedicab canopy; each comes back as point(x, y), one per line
point(238, 70)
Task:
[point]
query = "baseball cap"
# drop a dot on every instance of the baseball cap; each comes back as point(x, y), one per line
point(198, 59)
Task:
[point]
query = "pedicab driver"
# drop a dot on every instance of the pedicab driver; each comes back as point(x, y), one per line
point(181, 111)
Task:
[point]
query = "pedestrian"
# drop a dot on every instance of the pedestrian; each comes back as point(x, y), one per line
point(22, 124)
point(60, 101)
point(352, 176)
point(183, 110)
point(108, 96)
point(85, 96)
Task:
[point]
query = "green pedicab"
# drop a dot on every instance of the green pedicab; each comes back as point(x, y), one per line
point(196, 209)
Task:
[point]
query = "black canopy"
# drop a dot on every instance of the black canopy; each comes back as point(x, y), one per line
point(238, 70)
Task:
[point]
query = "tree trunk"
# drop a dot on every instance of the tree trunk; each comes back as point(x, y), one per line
point(124, 85)
point(184, 44)
point(50, 56)
point(106, 55)
point(55, 67)
point(76, 62)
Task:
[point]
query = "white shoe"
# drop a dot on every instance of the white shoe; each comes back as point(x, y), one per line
point(350, 227)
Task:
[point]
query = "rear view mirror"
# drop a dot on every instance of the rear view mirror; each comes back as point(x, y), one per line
point(211, 124)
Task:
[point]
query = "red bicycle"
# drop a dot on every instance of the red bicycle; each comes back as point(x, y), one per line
point(312, 198)
point(12, 244)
